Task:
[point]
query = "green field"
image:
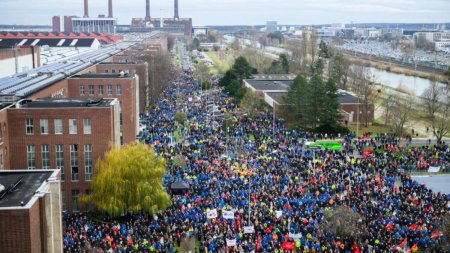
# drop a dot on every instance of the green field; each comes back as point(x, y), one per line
point(224, 64)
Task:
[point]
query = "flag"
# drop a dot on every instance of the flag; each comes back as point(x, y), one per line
point(258, 243)
point(403, 244)
point(435, 235)
point(288, 245)
point(249, 229)
point(390, 226)
point(413, 227)
point(414, 248)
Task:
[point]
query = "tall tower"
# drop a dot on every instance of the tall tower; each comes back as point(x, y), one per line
point(147, 10)
point(175, 16)
point(86, 9)
point(110, 9)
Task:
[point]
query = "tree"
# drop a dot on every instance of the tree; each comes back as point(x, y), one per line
point(400, 116)
point(195, 44)
point(242, 68)
point(324, 52)
point(313, 45)
point(129, 179)
point(236, 90)
point(436, 102)
point(278, 36)
point(202, 72)
point(284, 63)
point(235, 44)
point(180, 117)
point(447, 73)
point(343, 222)
point(339, 69)
point(312, 102)
point(365, 89)
point(253, 103)
point(304, 49)
point(275, 68)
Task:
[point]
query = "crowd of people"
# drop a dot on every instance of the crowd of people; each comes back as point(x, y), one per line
point(277, 191)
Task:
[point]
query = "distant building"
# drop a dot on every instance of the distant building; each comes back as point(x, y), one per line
point(271, 26)
point(94, 25)
point(199, 30)
point(30, 211)
point(440, 39)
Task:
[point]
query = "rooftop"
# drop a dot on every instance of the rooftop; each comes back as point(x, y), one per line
point(24, 190)
point(66, 102)
point(270, 85)
point(104, 75)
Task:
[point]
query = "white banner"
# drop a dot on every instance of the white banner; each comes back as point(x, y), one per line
point(211, 214)
point(231, 243)
point(227, 214)
point(249, 229)
point(278, 214)
point(434, 169)
point(295, 236)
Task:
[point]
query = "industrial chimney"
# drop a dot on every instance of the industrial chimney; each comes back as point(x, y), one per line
point(147, 10)
point(86, 9)
point(175, 16)
point(110, 10)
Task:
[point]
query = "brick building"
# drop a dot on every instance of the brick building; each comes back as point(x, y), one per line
point(18, 59)
point(123, 86)
point(65, 134)
point(140, 68)
point(30, 212)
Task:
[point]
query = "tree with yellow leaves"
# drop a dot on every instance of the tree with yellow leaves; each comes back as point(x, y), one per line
point(129, 179)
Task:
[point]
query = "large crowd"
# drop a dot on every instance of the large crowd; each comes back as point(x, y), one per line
point(262, 173)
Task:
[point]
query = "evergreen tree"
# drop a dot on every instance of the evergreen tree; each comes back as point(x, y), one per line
point(284, 63)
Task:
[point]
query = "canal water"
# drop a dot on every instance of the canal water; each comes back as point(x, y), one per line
point(415, 85)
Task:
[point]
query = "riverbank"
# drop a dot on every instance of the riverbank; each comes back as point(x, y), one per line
point(394, 67)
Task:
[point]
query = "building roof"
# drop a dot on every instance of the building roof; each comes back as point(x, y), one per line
point(269, 85)
point(28, 183)
point(104, 75)
point(66, 102)
point(344, 98)
point(273, 77)
point(51, 42)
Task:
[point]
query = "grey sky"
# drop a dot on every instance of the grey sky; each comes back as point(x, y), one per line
point(233, 12)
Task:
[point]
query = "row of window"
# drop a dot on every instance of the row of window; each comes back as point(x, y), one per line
point(109, 90)
point(59, 151)
point(75, 199)
point(58, 123)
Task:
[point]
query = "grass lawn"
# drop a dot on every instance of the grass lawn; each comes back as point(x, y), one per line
point(221, 65)
point(374, 128)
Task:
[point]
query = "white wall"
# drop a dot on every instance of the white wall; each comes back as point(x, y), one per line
point(8, 66)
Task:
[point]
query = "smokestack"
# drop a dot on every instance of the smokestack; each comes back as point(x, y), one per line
point(175, 16)
point(110, 10)
point(147, 10)
point(86, 9)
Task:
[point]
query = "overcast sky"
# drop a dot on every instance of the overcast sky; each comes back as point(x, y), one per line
point(234, 12)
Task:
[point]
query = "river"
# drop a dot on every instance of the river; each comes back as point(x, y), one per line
point(416, 85)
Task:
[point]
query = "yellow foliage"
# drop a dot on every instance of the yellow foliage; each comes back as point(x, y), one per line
point(129, 179)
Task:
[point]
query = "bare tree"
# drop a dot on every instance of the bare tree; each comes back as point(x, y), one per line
point(304, 49)
point(343, 222)
point(313, 45)
point(253, 103)
point(437, 105)
point(364, 87)
point(400, 115)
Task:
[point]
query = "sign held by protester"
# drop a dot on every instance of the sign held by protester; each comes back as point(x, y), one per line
point(231, 243)
point(278, 214)
point(434, 169)
point(249, 229)
point(227, 214)
point(211, 214)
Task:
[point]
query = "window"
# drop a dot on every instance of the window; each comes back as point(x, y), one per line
point(58, 126)
point(29, 126)
point(74, 161)
point(1, 159)
point(113, 71)
point(87, 126)
point(106, 71)
point(91, 90)
point(45, 154)
point(81, 90)
point(31, 157)
point(60, 160)
point(63, 200)
point(109, 87)
point(119, 89)
point(88, 161)
point(72, 126)
point(44, 126)
point(75, 202)
point(100, 90)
